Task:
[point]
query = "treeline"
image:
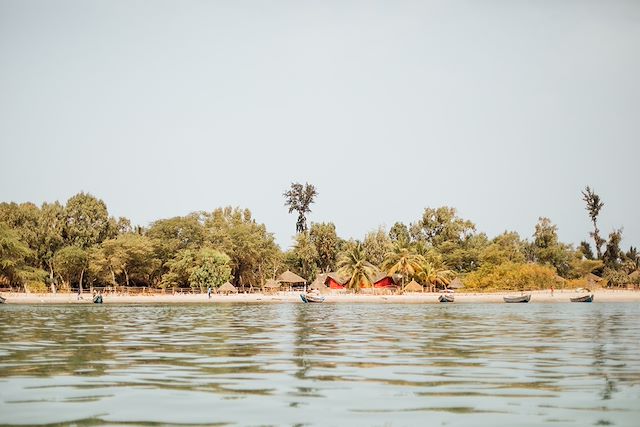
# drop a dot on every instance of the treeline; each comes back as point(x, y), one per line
point(77, 245)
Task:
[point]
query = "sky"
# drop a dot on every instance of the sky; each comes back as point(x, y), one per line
point(504, 110)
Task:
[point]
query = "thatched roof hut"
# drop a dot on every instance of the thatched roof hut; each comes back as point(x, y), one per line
point(634, 275)
point(318, 283)
point(290, 277)
point(227, 288)
point(592, 279)
point(456, 284)
point(413, 286)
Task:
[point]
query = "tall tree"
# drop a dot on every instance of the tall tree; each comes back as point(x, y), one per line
point(613, 254)
point(441, 225)
point(354, 265)
point(399, 232)
point(87, 221)
point(594, 204)
point(327, 243)
point(212, 269)
point(300, 198)
point(13, 254)
point(376, 244)
point(304, 257)
point(70, 264)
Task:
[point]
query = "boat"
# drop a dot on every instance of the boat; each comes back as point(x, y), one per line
point(308, 298)
point(2, 300)
point(445, 298)
point(521, 298)
point(584, 298)
point(97, 299)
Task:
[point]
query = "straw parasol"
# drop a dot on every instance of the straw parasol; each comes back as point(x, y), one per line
point(456, 284)
point(227, 288)
point(413, 286)
point(319, 282)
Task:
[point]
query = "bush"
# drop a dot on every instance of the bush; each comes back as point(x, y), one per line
point(511, 277)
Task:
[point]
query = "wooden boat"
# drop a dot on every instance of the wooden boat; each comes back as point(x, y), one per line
point(445, 298)
point(2, 300)
point(308, 298)
point(521, 298)
point(584, 298)
point(97, 299)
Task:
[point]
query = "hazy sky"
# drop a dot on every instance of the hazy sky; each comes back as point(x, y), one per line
point(502, 109)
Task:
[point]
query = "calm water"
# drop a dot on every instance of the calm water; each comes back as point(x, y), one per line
point(326, 364)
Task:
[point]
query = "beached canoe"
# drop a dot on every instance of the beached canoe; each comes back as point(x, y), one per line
point(97, 299)
point(585, 298)
point(307, 298)
point(445, 298)
point(522, 298)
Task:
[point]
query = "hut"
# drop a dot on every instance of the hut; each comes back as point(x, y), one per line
point(413, 286)
point(382, 280)
point(292, 279)
point(227, 288)
point(334, 281)
point(456, 284)
point(592, 280)
point(271, 286)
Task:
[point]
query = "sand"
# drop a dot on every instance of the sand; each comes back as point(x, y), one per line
point(559, 296)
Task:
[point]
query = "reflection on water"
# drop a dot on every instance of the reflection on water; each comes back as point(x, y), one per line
point(330, 364)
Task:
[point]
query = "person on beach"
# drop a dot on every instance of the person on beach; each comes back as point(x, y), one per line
point(209, 291)
point(551, 290)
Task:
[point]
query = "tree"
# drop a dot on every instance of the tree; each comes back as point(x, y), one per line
point(399, 233)
point(585, 250)
point(299, 198)
point(87, 221)
point(510, 276)
point(376, 244)
point(507, 247)
point(49, 233)
point(128, 255)
point(327, 244)
point(403, 260)
point(354, 265)
point(547, 249)
point(71, 263)
point(252, 249)
point(212, 269)
point(435, 276)
point(13, 254)
point(613, 254)
point(304, 257)
point(441, 225)
point(594, 204)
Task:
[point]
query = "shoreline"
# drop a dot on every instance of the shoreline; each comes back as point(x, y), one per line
point(560, 296)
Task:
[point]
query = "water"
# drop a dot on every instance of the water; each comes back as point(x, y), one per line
point(324, 364)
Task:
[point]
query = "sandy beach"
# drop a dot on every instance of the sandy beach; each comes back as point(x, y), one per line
point(559, 296)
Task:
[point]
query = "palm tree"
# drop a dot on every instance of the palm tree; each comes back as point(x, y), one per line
point(434, 276)
point(404, 260)
point(353, 264)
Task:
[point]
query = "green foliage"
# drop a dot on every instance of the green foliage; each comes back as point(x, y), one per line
point(441, 225)
point(510, 276)
point(13, 256)
point(304, 258)
point(616, 277)
point(327, 245)
point(211, 269)
point(70, 263)
point(613, 254)
point(506, 247)
point(399, 233)
point(87, 221)
point(547, 249)
point(252, 249)
point(129, 256)
point(300, 198)
point(376, 245)
point(404, 260)
point(354, 265)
